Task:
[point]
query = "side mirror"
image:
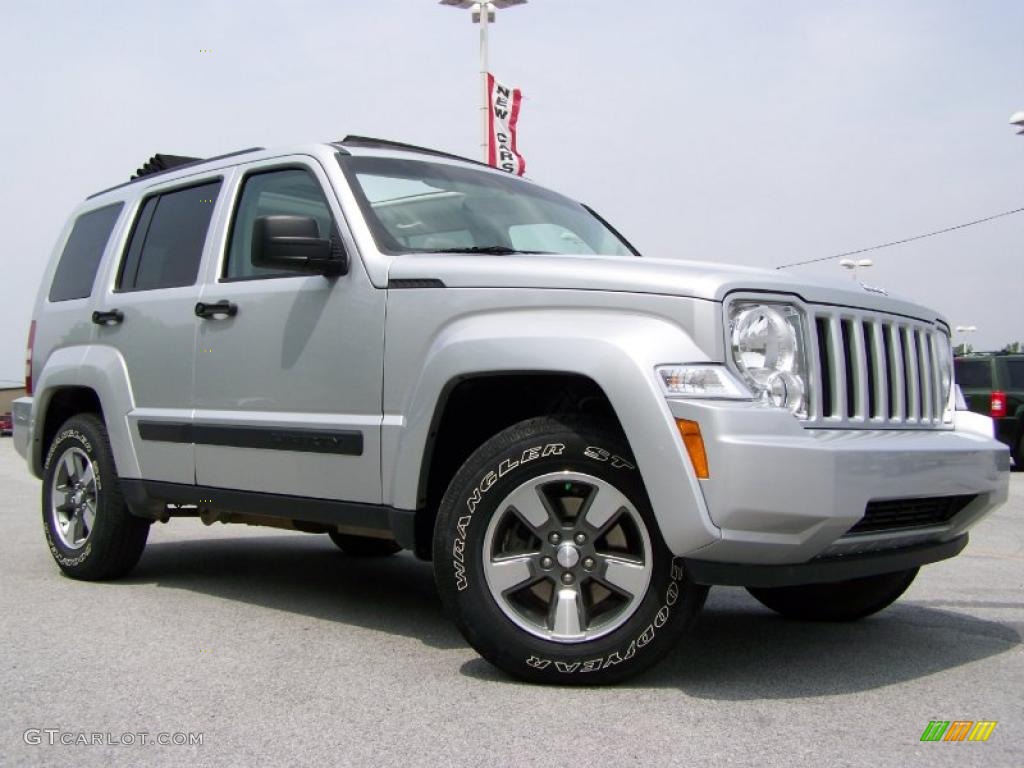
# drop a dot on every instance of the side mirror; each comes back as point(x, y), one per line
point(293, 243)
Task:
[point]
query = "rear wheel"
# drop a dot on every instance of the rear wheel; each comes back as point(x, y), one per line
point(838, 600)
point(89, 530)
point(364, 546)
point(548, 557)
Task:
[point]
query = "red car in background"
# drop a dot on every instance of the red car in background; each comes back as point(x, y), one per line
point(6, 425)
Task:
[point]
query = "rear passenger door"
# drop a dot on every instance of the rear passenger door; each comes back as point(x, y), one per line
point(149, 316)
point(288, 386)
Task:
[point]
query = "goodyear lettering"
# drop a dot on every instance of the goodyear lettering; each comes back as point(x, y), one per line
point(613, 659)
point(672, 595)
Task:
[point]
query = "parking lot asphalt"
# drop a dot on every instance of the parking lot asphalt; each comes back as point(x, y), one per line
point(280, 650)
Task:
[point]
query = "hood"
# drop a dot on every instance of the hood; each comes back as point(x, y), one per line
point(695, 279)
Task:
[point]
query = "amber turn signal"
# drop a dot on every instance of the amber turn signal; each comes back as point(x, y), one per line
point(690, 432)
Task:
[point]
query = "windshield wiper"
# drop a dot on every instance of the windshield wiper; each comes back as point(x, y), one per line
point(496, 250)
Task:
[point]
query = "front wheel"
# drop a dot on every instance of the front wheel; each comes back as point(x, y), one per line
point(548, 557)
point(836, 601)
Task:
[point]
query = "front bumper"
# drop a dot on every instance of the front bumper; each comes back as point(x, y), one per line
point(21, 415)
point(783, 494)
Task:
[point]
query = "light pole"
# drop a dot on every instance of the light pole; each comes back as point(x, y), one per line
point(1017, 119)
point(963, 346)
point(483, 14)
point(853, 266)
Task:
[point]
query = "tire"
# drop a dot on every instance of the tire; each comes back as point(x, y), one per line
point(364, 546)
point(568, 478)
point(1018, 454)
point(838, 600)
point(89, 530)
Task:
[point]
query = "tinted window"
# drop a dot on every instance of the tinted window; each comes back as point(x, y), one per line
point(167, 242)
point(974, 374)
point(1015, 372)
point(81, 258)
point(292, 192)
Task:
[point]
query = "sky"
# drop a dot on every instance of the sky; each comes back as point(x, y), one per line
point(744, 132)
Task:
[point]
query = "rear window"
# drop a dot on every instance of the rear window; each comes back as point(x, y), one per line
point(167, 241)
point(974, 374)
point(1015, 373)
point(82, 254)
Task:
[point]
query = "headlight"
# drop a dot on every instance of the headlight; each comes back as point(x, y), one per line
point(768, 349)
point(944, 361)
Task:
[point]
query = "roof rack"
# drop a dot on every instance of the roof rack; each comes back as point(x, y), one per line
point(159, 163)
point(371, 143)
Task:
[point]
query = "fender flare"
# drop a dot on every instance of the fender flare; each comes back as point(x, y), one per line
point(101, 369)
point(617, 350)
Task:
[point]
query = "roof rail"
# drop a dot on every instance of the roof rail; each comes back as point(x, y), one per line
point(371, 143)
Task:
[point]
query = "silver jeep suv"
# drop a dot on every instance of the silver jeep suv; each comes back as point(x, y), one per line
point(404, 349)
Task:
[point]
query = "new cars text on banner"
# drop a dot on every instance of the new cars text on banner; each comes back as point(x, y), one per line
point(503, 103)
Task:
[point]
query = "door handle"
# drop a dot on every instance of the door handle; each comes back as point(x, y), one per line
point(113, 317)
point(221, 308)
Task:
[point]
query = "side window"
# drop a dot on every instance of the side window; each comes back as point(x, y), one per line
point(82, 254)
point(166, 245)
point(974, 374)
point(291, 191)
point(1015, 370)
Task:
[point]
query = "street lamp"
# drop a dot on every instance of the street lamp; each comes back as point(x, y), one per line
point(853, 266)
point(1017, 119)
point(963, 346)
point(483, 14)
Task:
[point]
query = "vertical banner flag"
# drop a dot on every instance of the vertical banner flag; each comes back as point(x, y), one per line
point(503, 114)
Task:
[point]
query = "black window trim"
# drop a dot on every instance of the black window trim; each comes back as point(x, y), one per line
point(136, 214)
point(236, 199)
point(110, 243)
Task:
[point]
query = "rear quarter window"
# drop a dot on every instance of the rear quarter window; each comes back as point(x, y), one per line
point(80, 260)
point(974, 374)
point(1015, 373)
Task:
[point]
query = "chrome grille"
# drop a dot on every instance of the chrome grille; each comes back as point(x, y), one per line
point(874, 371)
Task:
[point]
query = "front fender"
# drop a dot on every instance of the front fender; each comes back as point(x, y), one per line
point(102, 369)
point(618, 350)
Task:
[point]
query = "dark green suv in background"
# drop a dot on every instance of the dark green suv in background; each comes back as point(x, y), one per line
point(993, 384)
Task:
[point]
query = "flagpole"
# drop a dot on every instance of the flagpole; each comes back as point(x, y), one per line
point(485, 139)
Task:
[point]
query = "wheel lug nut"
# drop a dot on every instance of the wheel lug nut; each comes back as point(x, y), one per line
point(581, 538)
point(588, 563)
point(568, 578)
point(554, 538)
point(546, 563)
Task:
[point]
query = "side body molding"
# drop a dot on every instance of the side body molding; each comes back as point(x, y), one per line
point(102, 369)
point(617, 349)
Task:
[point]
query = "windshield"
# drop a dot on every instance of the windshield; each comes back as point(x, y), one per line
point(413, 206)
